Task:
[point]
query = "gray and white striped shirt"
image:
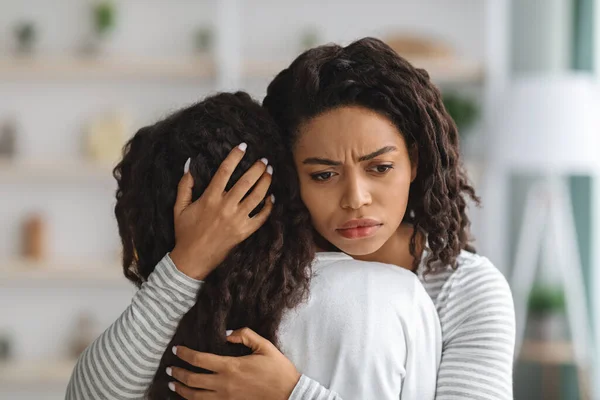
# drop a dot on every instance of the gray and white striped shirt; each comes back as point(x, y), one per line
point(474, 305)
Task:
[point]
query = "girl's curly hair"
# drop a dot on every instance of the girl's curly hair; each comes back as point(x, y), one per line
point(261, 277)
point(368, 73)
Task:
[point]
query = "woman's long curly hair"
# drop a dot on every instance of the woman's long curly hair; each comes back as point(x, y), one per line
point(261, 277)
point(368, 73)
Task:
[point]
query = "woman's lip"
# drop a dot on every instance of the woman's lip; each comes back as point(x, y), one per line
point(359, 223)
point(359, 232)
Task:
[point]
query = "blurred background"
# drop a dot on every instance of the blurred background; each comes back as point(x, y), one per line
point(78, 77)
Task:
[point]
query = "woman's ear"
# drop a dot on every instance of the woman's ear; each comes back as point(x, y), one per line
point(414, 161)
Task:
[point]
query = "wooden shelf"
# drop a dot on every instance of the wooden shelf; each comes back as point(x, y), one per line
point(442, 71)
point(105, 68)
point(57, 272)
point(547, 353)
point(19, 170)
point(40, 372)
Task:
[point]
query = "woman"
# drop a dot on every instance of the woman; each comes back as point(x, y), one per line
point(260, 283)
point(327, 103)
point(335, 104)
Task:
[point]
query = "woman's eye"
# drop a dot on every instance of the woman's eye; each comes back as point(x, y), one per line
point(382, 169)
point(322, 176)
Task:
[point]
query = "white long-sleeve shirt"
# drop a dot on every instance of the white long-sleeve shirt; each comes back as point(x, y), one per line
point(368, 331)
point(473, 302)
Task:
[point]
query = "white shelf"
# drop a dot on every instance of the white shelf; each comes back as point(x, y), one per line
point(57, 272)
point(19, 170)
point(39, 372)
point(547, 353)
point(105, 68)
point(441, 70)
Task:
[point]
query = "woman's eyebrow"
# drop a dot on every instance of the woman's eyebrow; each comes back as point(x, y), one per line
point(327, 161)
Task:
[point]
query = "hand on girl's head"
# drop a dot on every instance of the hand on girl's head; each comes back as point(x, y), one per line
point(218, 220)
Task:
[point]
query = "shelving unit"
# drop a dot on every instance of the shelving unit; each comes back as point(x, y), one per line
point(55, 170)
point(85, 68)
point(61, 272)
point(35, 373)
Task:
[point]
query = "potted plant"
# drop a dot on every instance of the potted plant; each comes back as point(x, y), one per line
point(546, 307)
point(104, 16)
point(25, 35)
point(463, 111)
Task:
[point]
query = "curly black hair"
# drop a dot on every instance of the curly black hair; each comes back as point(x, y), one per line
point(368, 73)
point(261, 277)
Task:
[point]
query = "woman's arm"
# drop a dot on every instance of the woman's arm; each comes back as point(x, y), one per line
point(479, 336)
point(121, 363)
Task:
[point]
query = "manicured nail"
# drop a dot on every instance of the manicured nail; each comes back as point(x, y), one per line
point(228, 332)
point(169, 371)
point(175, 350)
point(186, 167)
point(273, 198)
point(243, 146)
point(172, 386)
point(270, 170)
point(264, 161)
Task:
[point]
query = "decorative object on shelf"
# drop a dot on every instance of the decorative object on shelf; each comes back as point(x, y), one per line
point(411, 47)
point(105, 137)
point(83, 334)
point(204, 40)
point(104, 15)
point(8, 138)
point(309, 38)
point(546, 308)
point(463, 111)
point(25, 37)
point(5, 347)
point(35, 237)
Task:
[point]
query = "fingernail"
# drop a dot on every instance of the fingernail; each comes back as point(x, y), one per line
point(243, 146)
point(228, 332)
point(172, 386)
point(186, 167)
point(175, 350)
point(273, 198)
point(270, 170)
point(264, 161)
point(169, 371)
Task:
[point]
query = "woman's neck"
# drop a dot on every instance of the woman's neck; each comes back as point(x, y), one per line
point(396, 250)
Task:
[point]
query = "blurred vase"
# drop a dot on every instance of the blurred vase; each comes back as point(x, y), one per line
point(35, 238)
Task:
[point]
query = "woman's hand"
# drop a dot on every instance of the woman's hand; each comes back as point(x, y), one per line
point(266, 374)
point(207, 229)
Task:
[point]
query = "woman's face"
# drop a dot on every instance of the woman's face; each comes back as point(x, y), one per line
point(355, 173)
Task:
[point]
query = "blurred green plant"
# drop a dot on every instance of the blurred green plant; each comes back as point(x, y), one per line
point(204, 39)
point(463, 110)
point(545, 299)
point(25, 33)
point(104, 14)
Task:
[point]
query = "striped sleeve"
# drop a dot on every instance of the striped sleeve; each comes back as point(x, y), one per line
point(309, 389)
point(478, 325)
point(122, 362)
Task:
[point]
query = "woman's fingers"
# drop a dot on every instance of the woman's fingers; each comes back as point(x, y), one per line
point(192, 394)
point(184, 191)
point(247, 181)
point(258, 194)
point(209, 361)
point(193, 380)
point(219, 181)
point(261, 217)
